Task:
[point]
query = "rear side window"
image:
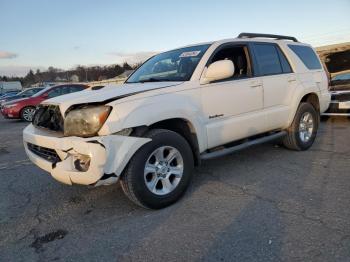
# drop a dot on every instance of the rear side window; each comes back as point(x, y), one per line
point(307, 56)
point(284, 62)
point(268, 59)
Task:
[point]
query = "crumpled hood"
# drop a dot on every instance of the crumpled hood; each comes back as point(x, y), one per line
point(108, 93)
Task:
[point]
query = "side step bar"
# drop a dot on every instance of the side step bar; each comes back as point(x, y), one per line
point(335, 114)
point(244, 145)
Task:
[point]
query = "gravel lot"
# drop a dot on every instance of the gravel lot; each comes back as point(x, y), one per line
point(262, 204)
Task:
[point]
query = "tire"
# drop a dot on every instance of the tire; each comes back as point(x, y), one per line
point(294, 139)
point(27, 113)
point(137, 183)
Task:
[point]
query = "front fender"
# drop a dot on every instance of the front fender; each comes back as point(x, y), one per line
point(145, 112)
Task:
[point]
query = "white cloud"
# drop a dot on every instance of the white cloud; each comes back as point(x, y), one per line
point(7, 55)
point(131, 58)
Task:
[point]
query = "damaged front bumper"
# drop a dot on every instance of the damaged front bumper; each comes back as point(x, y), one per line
point(108, 155)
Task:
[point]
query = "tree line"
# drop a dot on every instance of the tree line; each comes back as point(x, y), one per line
point(84, 73)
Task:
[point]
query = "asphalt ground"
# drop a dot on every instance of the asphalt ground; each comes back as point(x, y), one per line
point(265, 203)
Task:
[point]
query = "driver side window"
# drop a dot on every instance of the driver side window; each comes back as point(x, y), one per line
point(239, 55)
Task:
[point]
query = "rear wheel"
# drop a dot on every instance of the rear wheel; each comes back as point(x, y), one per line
point(302, 132)
point(160, 171)
point(27, 113)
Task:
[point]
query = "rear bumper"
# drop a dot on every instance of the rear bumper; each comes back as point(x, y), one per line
point(325, 100)
point(108, 154)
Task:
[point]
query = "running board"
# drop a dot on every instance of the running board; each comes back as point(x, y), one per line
point(335, 114)
point(244, 145)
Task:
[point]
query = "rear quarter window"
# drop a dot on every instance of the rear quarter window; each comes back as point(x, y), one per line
point(307, 56)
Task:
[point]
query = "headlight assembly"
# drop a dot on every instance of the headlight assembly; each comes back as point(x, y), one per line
point(10, 105)
point(85, 122)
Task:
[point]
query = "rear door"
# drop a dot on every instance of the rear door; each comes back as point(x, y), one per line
point(279, 82)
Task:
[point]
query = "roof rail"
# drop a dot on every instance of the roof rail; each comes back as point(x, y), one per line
point(278, 37)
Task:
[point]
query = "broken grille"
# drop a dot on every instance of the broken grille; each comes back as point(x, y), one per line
point(44, 152)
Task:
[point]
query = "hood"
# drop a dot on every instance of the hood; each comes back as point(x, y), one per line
point(15, 101)
point(10, 98)
point(106, 94)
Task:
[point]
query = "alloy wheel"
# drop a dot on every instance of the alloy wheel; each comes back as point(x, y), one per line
point(306, 127)
point(163, 170)
point(28, 114)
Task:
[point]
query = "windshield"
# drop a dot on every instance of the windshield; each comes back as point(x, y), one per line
point(176, 65)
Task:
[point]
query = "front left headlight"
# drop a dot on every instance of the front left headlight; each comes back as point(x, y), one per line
point(86, 121)
point(10, 105)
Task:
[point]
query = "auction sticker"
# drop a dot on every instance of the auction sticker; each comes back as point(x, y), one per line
point(190, 54)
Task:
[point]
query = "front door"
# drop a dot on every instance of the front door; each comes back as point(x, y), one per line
point(233, 107)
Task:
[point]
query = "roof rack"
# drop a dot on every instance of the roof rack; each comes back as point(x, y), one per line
point(278, 37)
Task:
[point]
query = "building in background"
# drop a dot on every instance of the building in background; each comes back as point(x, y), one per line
point(74, 78)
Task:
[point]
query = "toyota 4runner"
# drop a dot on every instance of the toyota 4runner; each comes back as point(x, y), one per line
point(178, 108)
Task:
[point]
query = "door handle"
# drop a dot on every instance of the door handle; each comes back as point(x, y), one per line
point(292, 79)
point(255, 83)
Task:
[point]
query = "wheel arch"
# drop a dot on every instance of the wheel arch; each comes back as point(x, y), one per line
point(311, 97)
point(181, 126)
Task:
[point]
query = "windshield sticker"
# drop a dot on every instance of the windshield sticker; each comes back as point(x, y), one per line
point(190, 54)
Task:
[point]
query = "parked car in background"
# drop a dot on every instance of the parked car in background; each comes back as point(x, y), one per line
point(340, 91)
point(178, 108)
point(6, 86)
point(24, 108)
point(9, 93)
point(25, 93)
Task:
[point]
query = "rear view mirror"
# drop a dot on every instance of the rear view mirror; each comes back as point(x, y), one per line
point(218, 70)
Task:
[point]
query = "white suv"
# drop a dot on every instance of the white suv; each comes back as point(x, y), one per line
point(180, 107)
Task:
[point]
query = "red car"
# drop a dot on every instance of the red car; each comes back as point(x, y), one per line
point(24, 108)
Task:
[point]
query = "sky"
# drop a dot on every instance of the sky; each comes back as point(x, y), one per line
point(65, 33)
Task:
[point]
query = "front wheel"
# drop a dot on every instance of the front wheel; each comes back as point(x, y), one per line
point(160, 171)
point(302, 132)
point(27, 113)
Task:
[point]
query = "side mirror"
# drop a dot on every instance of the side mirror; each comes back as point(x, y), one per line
point(218, 70)
point(46, 95)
